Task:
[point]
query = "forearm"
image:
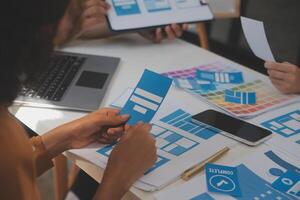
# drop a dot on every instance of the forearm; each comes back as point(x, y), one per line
point(56, 141)
point(110, 190)
point(114, 185)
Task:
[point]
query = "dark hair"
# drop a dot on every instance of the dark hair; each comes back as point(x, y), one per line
point(27, 29)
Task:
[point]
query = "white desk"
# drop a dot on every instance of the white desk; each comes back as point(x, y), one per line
point(136, 54)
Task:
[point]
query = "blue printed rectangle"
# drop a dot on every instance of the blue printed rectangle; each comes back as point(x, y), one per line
point(238, 97)
point(289, 183)
point(172, 116)
point(159, 162)
point(179, 145)
point(203, 196)
point(184, 4)
point(193, 84)
point(157, 5)
point(286, 125)
point(146, 97)
point(254, 187)
point(182, 120)
point(220, 77)
point(126, 7)
point(222, 179)
point(105, 151)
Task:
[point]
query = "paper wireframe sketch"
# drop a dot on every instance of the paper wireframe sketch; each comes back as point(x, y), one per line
point(256, 37)
point(146, 97)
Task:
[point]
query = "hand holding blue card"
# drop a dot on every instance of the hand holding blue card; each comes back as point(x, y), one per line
point(146, 97)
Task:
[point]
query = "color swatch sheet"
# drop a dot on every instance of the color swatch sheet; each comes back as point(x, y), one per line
point(275, 176)
point(137, 14)
point(146, 97)
point(267, 97)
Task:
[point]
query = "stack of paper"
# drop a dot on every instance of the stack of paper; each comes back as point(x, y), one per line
point(180, 144)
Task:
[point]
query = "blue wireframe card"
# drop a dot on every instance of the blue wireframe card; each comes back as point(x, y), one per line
point(220, 77)
point(222, 179)
point(193, 84)
point(287, 182)
point(146, 97)
point(240, 97)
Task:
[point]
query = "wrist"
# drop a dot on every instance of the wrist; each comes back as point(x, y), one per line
point(114, 184)
point(56, 142)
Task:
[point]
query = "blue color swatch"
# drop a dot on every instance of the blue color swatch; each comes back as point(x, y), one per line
point(126, 7)
point(220, 77)
point(182, 120)
point(184, 4)
point(194, 84)
point(172, 142)
point(222, 179)
point(157, 5)
point(246, 98)
point(285, 125)
point(146, 97)
point(203, 196)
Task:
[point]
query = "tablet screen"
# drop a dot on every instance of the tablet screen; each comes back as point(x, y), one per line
point(139, 14)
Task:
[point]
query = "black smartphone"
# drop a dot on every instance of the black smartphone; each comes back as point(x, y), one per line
point(234, 128)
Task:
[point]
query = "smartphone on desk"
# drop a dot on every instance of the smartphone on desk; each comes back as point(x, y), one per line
point(232, 127)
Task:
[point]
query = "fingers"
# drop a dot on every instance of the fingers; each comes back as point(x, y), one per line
point(144, 127)
point(177, 30)
point(275, 74)
point(281, 86)
point(170, 33)
point(113, 120)
point(158, 35)
point(283, 67)
point(185, 27)
point(140, 129)
point(92, 3)
point(109, 111)
point(95, 12)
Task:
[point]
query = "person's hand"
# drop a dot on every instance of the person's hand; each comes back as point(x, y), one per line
point(81, 16)
point(104, 125)
point(284, 76)
point(170, 32)
point(129, 160)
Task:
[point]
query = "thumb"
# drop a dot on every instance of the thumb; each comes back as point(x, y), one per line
point(114, 120)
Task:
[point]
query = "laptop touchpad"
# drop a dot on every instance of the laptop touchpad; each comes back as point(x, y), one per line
point(92, 79)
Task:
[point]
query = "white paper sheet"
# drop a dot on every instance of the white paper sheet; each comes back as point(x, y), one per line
point(256, 37)
point(289, 143)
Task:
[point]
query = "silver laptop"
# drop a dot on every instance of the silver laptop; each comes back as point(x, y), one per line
point(70, 81)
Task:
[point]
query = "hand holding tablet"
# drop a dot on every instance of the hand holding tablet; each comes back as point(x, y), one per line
point(140, 14)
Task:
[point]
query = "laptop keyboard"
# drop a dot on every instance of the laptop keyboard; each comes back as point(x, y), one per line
point(53, 83)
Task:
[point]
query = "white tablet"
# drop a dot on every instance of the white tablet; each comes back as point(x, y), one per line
point(139, 14)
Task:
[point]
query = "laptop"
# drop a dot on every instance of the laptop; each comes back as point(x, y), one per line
point(71, 81)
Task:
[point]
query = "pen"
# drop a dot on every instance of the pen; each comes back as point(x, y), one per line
point(189, 173)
